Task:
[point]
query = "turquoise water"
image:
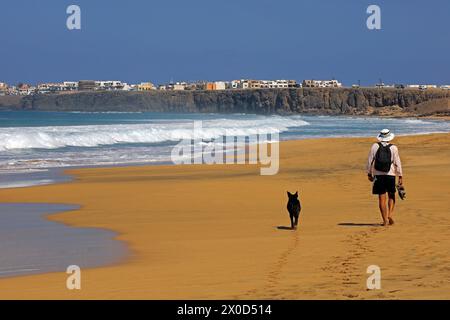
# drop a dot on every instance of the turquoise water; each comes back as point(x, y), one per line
point(32, 142)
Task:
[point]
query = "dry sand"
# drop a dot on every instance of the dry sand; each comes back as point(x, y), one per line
point(207, 232)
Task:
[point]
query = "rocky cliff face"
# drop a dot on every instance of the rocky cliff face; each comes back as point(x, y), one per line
point(263, 101)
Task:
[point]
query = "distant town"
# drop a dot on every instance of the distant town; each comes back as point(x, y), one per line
point(115, 85)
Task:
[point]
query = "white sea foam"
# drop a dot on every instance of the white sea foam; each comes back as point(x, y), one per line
point(417, 121)
point(150, 139)
point(25, 183)
point(54, 137)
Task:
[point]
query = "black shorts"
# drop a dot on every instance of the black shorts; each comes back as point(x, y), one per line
point(383, 184)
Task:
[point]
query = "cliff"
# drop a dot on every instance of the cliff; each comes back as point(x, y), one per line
point(333, 101)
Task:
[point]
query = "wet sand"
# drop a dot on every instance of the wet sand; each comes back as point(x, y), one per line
point(31, 244)
point(211, 232)
point(28, 178)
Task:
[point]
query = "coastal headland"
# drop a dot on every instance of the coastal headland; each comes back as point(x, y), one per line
point(321, 101)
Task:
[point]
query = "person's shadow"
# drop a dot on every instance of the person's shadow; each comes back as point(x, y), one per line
point(352, 224)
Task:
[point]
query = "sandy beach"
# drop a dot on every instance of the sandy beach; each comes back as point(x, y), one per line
point(213, 232)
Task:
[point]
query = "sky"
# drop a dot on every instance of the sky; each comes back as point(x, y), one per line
point(188, 40)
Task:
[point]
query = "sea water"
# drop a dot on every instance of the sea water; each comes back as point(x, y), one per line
point(33, 144)
point(31, 244)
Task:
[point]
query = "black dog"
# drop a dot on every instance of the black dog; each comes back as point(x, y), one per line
point(294, 207)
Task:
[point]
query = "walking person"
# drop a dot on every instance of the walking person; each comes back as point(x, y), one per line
point(383, 165)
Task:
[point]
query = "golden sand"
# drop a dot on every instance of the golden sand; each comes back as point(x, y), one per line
point(210, 232)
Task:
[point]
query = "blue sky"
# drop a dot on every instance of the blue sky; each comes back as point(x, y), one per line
point(146, 40)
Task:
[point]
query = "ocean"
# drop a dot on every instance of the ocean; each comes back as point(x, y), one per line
point(35, 145)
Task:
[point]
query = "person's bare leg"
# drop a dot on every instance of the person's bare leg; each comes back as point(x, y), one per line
point(391, 205)
point(383, 208)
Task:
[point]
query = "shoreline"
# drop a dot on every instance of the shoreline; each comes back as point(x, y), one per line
point(153, 178)
point(32, 243)
point(57, 174)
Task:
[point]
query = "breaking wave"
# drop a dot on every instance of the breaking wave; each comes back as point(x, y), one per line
point(53, 137)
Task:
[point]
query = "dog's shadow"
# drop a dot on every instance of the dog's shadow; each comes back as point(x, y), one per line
point(353, 224)
point(285, 228)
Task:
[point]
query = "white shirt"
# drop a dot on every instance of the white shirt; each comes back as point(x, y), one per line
point(396, 165)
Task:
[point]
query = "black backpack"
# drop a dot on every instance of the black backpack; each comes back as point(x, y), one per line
point(383, 158)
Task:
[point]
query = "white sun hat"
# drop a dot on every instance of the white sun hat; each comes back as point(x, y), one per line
point(385, 135)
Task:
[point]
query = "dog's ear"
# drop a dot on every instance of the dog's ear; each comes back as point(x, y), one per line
point(296, 194)
point(288, 193)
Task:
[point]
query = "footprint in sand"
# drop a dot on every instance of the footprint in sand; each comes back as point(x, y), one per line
point(274, 275)
point(346, 271)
